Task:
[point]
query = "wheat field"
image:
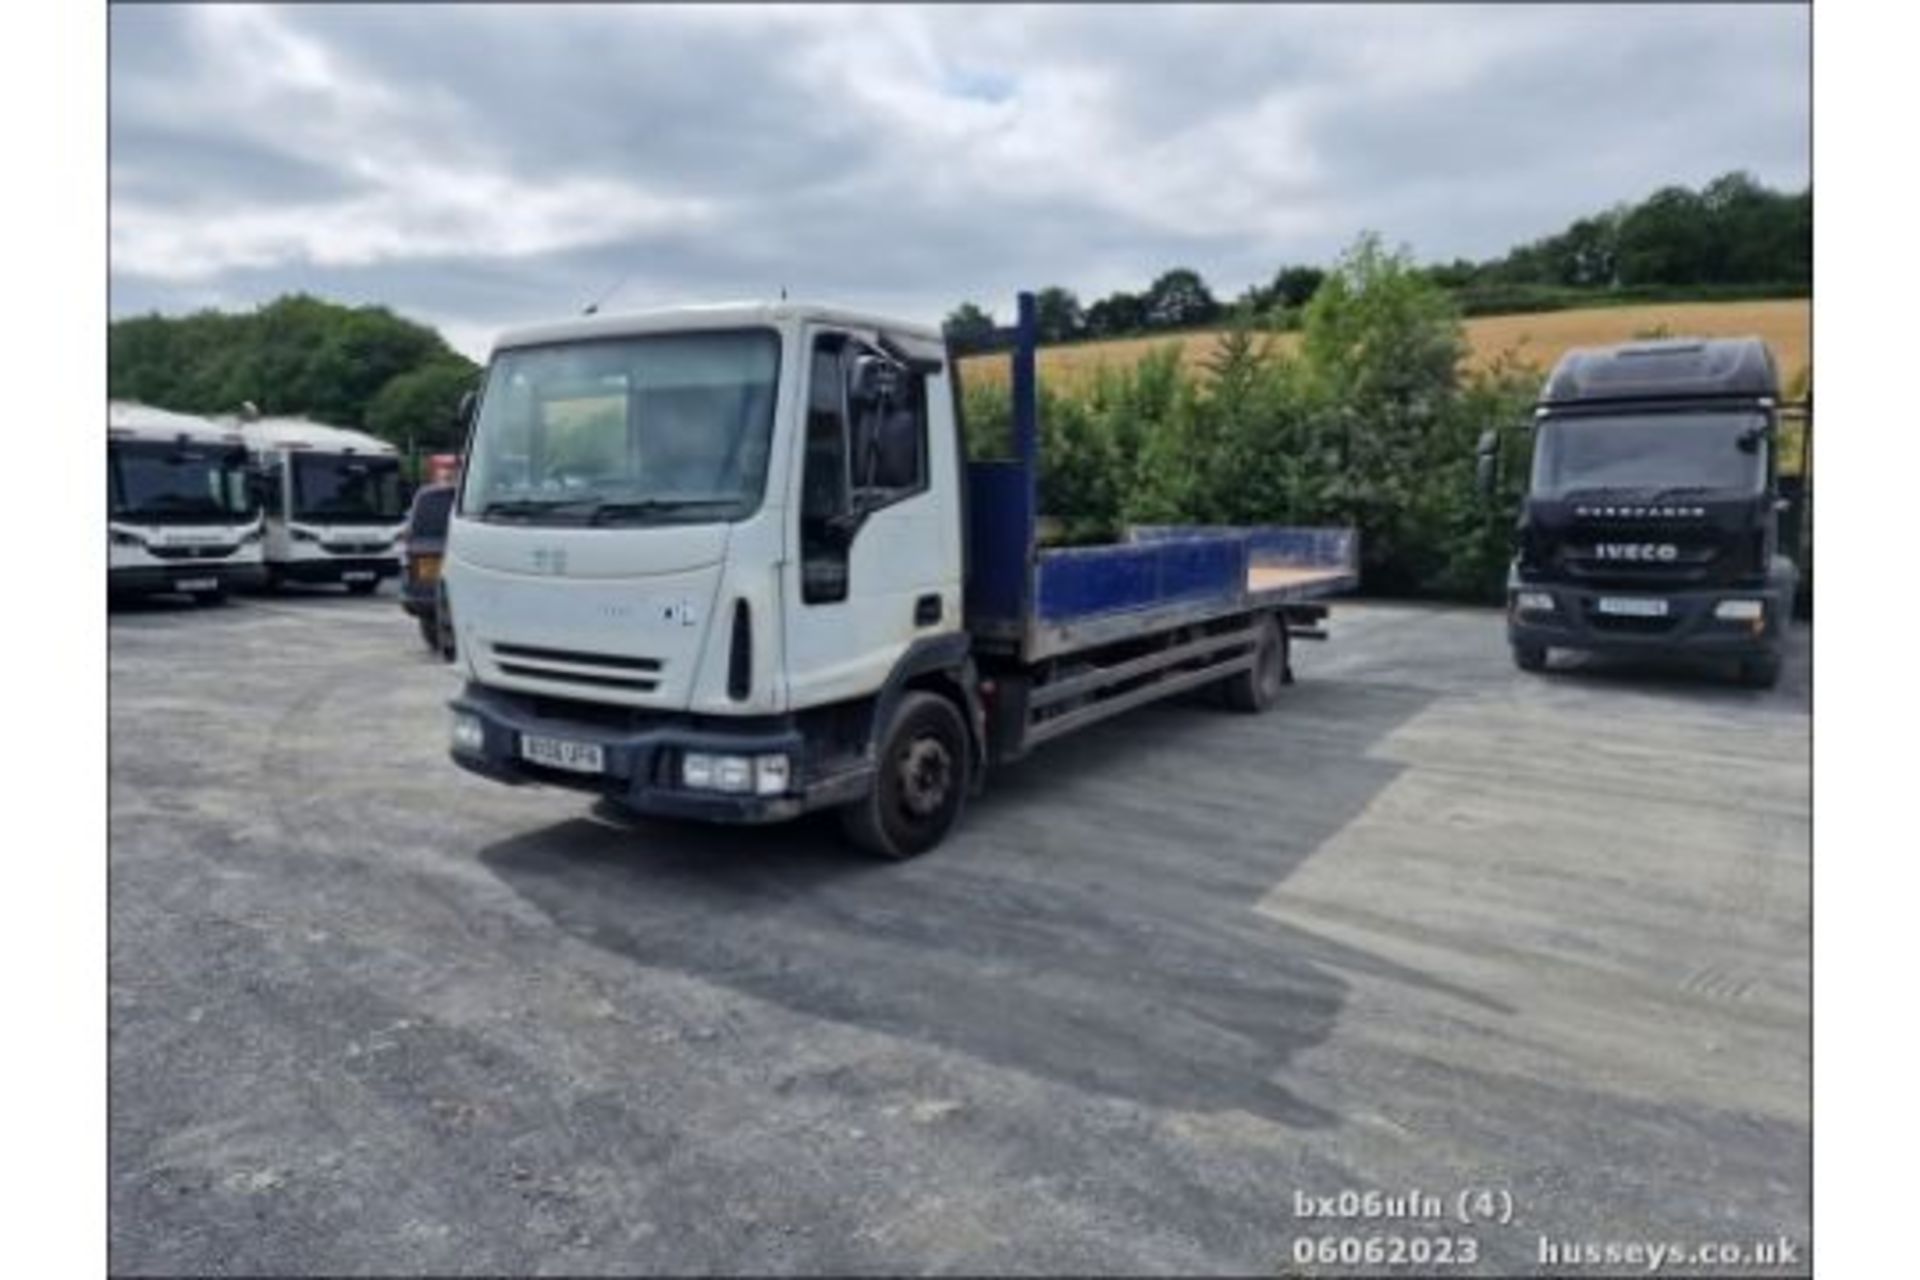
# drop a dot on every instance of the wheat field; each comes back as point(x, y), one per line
point(1540, 338)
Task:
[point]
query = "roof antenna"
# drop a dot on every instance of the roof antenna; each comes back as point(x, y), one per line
point(783, 293)
point(593, 308)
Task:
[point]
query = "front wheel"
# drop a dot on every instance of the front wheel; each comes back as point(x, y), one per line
point(919, 784)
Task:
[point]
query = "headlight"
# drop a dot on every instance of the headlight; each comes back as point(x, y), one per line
point(771, 775)
point(1740, 610)
point(251, 535)
point(469, 735)
point(1533, 601)
point(732, 773)
point(765, 775)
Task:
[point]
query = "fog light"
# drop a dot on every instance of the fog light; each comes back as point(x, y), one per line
point(696, 770)
point(771, 775)
point(469, 735)
point(1740, 610)
point(732, 773)
point(1533, 601)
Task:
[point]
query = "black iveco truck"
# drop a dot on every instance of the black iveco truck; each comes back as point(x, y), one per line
point(1650, 523)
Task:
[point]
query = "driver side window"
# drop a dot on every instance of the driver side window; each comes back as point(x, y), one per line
point(866, 448)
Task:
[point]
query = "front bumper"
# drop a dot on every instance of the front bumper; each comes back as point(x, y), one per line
point(159, 579)
point(1576, 622)
point(336, 568)
point(642, 759)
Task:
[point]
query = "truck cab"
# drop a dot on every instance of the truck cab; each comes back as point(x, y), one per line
point(333, 499)
point(733, 563)
point(1650, 521)
point(180, 511)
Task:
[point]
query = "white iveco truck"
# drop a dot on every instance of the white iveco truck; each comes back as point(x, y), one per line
point(180, 512)
point(334, 503)
point(733, 563)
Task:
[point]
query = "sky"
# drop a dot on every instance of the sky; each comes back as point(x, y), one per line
point(479, 167)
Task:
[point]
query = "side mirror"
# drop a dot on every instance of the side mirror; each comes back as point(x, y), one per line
point(463, 412)
point(873, 379)
point(1486, 464)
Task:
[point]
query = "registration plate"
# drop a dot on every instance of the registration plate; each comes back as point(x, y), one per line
point(563, 753)
point(357, 575)
point(1632, 606)
point(197, 584)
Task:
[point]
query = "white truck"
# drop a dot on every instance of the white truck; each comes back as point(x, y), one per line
point(180, 511)
point(334, 502)
point(733, 563)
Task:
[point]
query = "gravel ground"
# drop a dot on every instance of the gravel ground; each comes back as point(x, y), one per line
point(1432, 926)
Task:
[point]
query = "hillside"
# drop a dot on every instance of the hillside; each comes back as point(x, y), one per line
point(1785, 324)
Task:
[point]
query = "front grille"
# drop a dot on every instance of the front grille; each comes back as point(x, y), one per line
point(356, 548)
point(568, 666)
point(200, 551)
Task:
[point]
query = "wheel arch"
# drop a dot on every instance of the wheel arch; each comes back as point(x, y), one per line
point(941, 665)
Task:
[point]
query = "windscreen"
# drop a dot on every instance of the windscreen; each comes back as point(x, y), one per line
point(1668, 453)
point(430, 510)
point(344, 488)
point(177, 483)
point(671, 428)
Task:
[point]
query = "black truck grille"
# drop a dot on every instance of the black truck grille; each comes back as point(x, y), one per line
point(198, 551)
point(588, 670)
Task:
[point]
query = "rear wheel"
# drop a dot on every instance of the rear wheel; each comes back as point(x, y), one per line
point(920, 781)
point(1530, 657)
point(1258, 688)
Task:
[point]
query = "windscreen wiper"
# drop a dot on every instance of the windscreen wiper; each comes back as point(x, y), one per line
point(650, 507)
point(529, 506)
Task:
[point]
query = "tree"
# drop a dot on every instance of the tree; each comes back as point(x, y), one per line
point(1057, 314)
point(1667, 239)
point(1180, 299)
point(1116, 315)
point(967, 323)
point(417, 407)
point(297, 355)
point(1295, 286)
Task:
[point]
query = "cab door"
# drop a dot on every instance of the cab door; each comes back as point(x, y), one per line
point(875, 560)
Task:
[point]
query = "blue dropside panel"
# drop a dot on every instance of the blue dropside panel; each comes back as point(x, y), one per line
point(1087, 581)
point(1000, 538)
point(1303, 545)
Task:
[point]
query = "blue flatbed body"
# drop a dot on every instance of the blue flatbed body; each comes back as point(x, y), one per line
point(1044, 602)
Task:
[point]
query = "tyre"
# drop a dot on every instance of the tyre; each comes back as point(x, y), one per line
point(1258, 688)
point(1530, 657)
point(364, 588)
point(920, 780)
point(216, 596)
point(1762, 672)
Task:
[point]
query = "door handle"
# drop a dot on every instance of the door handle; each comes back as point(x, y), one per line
point(926, 611)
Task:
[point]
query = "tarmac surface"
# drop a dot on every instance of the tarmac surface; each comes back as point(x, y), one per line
point(1433, 926)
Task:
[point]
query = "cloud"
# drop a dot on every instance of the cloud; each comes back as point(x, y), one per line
point(487, 165)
